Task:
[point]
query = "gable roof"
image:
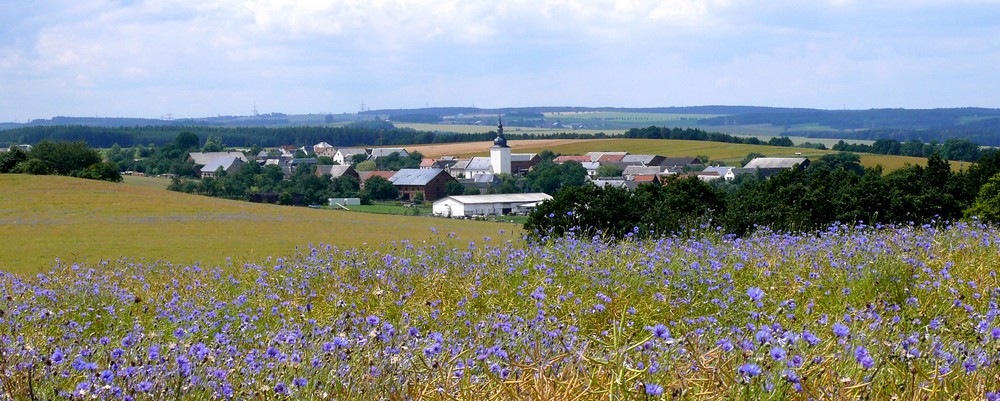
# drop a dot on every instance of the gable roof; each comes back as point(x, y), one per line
point(379, 152)
point(203, 158)
point(479, 163)
point(365, 175)
point(679, 161)
point(224, 162)
point(775, 162)
point(647, 160)
point(569, 158)
point(415, 176)
point(522, 157)
point(641, 170)
point(333, 170)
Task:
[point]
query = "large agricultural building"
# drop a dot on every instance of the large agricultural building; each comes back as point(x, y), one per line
point(485, 205)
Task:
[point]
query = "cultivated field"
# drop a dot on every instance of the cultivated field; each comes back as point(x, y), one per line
point(45, 218)
point(729, 153)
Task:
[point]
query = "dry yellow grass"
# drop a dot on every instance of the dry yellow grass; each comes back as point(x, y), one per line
point(46, 217)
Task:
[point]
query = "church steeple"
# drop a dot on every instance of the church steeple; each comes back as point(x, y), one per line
point(500, 141)
point(500, 152)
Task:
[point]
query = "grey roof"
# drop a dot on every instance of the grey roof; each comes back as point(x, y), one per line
point(333, 170)
point(225, 162)
point(642, 170)
point(499, 198)
point(775, 162)
point(522, 157)
point(722, 170)
point(415, 176)
point(352, 151)
point(639, 159)
point(479, 163)
point(379, 152)
point(597, 155)
point(485, 177)
point(203, 158)
point(679, 161)
point(461, 165)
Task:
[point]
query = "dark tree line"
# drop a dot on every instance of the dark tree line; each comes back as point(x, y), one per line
point(74, 159)
point(835, 188)
point(952, 149)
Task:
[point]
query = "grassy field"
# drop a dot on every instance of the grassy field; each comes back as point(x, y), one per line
point(48, 217)
point(146, 182)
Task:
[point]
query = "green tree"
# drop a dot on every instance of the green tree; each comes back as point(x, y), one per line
point(106, 171)
point(548, 177)
point(186, 140)
point(987, 204)
point(367, 165)
point(213, 144)
point(65, 158)
point(11, 158)
point(609, 170)
point(453, 187)
point(378, 188)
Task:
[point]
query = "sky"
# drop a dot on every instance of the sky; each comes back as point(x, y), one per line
point(200, 58)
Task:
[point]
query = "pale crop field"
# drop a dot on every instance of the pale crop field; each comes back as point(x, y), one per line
point(45, 218)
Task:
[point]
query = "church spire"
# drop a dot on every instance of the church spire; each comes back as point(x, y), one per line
point(500, 141)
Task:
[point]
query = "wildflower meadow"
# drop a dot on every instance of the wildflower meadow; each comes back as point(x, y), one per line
point(851, 312)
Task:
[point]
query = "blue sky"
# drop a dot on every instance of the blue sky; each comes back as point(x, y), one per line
point(194, 58)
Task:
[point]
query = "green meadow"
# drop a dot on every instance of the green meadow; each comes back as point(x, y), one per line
point(45, 218)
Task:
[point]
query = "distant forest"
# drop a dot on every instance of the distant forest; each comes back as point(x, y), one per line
point(362, 133)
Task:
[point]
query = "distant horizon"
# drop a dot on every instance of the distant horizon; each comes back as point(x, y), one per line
point(264, 113)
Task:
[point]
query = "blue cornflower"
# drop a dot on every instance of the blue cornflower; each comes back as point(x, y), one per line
point(749, 370)
point(372, 320)
point(57, 356)
point(755, 294)
point(777, 353)
point(810, 338)
point(654, 389)
point(300, 382)
point(144, 386)
point(661, 331)
point(841, 330)
point(281, 388)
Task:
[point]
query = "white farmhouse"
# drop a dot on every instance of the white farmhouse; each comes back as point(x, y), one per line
point(484, 205)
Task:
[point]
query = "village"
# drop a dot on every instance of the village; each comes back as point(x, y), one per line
point(468, 188)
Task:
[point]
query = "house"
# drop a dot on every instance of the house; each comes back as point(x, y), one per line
point(679, 163)
point(23, 148)
point(570, 158)
point(642, 160)
point(521, 163)
point(629, 171)
point(591, 168)
point(478, 165)
point(480, 182)
point(457, 169)
point(786, 163)
point(336, 171)
point(345, 156)
point(228, 164)
point(324, 149)
point(379, 152)
point(607, 157)
point(716, 172)
point(204, 158)
point(365, 175)
point(485, 205)
point(429, 181)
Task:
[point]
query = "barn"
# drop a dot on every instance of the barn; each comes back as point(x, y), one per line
point(483, 205)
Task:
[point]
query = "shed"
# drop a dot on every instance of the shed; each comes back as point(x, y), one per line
point(485, 205)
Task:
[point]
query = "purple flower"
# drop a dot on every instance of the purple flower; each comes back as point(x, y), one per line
point(841, 330)
point(749, 370)
point(372, 320)
point(144, 386)
point(300, 382)
point(654, 389)
point(661, 331)
point(281, 388)
point(755, 294)
point(777, 353)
